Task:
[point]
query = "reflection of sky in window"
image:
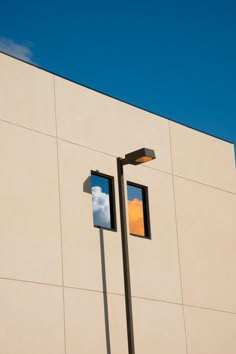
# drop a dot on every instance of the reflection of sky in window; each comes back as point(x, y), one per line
point(100, 201)
point(135, 210)
point(100, 181)
point(134, 192)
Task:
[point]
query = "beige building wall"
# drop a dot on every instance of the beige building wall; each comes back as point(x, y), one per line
point(61, 279)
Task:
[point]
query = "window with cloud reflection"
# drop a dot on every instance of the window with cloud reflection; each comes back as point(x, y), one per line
point(102, 200)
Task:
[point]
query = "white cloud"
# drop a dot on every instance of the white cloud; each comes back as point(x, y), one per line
point(101, 207)
point(17, 50)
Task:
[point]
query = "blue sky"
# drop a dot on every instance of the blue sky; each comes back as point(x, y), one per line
point(100, 181)
point(175, 58)
point(134, 192)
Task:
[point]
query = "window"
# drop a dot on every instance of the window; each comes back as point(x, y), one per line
point(139, 223)
point(103, 201)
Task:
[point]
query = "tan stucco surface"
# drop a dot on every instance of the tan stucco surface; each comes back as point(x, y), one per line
point(210, 331)
point(61, 279)
point(207, 240)
point(31, 318)
point(108, 125)
point(202, 158)
point(30, 246)
point(26, 96)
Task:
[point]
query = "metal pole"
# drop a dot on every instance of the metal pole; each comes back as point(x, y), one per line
point(125, 254)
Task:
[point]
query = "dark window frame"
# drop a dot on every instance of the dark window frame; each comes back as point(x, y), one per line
point(146, 213)
point(111, 201)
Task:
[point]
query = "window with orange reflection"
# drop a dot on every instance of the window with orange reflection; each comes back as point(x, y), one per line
point(138, 210)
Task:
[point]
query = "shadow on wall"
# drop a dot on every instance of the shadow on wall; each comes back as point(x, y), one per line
point(105, 300)
point(87, 185)
point(87, 189)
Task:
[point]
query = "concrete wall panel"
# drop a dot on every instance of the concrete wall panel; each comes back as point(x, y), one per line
point(31, 318)
point(202, 158)
point(30, 245)
point(207, 238)
point(210, 332)
point(158, 327)
point(154, 263)
point(83, 244)
point(26, 95)
point(91, 327)
point(100, 122)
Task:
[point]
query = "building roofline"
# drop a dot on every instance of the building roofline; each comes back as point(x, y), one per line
point(115, 98)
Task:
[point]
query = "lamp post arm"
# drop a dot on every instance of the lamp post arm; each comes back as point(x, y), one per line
point(125, 254)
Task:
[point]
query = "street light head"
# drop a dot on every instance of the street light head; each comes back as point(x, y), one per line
point(139, 156)
point(143, 159)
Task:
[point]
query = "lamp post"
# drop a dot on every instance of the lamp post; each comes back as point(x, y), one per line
point(134, 158)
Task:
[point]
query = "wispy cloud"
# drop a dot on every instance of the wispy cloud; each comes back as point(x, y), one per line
point(17, 50)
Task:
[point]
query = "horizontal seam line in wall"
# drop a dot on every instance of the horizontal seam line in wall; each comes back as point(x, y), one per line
point(210, 309)
point(56, 285)
point(206, 185)
point(105, 153)
point(27, 128)
point(30, 282)
point(152, 168)
point(117, 294)
point(73, 143)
